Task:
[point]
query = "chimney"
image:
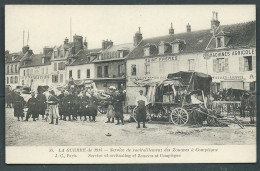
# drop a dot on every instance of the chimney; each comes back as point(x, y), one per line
point(214, 22)
point(25, 49)
point(66, 41)
point(138, 37)
point(78, 43)
point(47, 50)
point(188, 28)
point(171, 30)
point(30, 52)
point(85, 44)
point(107, 43)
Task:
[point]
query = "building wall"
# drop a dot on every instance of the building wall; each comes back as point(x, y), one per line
point(12, 74)
point(35, 76)
point(59, 74)
point(112, 69)
point(83, 71)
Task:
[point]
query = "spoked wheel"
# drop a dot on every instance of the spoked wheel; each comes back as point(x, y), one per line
point(147, 114)
point(179, 116)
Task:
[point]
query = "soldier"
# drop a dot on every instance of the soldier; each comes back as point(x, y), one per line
point(118, 106)
point(53, 107)
point(141, 102)
point(111, 109)
point(92, 108)
point(18, 104)
point(84, 103)
point(41, 103)
point(61, 111)
point(67, 106)
point(32, 108)
point(76, 105)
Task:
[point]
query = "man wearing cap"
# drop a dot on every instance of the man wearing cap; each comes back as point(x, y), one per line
point(41, 103)
point(67, 106)
point(18, 105)
point(111, 109)
point(118, 105)
point(32, 107)
point(53, 107)
point(141, 103)
point(61, 111)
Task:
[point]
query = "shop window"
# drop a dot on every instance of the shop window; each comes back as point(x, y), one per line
point(78, 74)
point(88, 73)
point(54, 78)
point(220, 42)
point(248, 63)
point(106, 71)
point(147, 68)
point(99, 71)
point(133, 70)
point(191, 64)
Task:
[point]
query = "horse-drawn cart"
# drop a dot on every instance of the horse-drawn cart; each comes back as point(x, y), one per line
point(177, 97)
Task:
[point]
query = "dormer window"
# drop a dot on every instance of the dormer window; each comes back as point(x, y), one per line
point(121, 54)
point(178, 45)
point(147, 51)
point(220, 42)
point(43, 60)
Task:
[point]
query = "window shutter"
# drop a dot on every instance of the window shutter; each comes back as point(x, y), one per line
point(241, 68)
point(226, 65)
point(214, 65)
point(254, 63)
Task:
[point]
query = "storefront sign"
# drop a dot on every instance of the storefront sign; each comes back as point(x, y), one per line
point(161, 59)
point(151, 77)
point(247, 77)
point(241, 52)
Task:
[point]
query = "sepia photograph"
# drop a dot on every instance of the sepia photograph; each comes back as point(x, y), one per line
point(122, 76)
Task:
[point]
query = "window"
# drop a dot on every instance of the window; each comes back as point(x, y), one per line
point(120, 70)
point(70, 73)
point(147, 51)
point(15, 79)
point(23, 72)
point(54, 78)
point(175, 48)
point(61, 78)
point(121, 54)
point(43, 61)
point(161, 49)
point(78, 74)
point(22, 82)
point(106, 71)
point(220, 42)
point(248, 63)
point(42, 71)
point(99, 71)
point(47, 70)
point(147, 68)
point(133, 70)
point(55, 66)
point(88, 73)
point(220, 65)
point(161, 67)
point(88, 58)
point(28, 72)
point(61, 66)
point(31, 71)
point(11, 80)
point(55, 54)
point(191, 63)
point(15, 69)
point(8, 69)
point(11, 68)
point(7, 80)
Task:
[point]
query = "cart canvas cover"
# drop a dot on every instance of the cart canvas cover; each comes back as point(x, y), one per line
point(194, 80)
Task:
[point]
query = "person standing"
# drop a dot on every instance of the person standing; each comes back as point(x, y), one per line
point(243, 105)
point(53, 107)
point(32, 107)
point(141, 103)
point(41, 103)
point(61, 111)
point(118, 106)
point(67, 106)
point(18, 105)
point(111, 109)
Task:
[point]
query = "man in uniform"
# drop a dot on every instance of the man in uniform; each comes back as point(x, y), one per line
point(67, 106)
point(118, 106)
point(18, 105)
point(32, 107)
point(141, 103)
point(60, 97)
point(84, 103)
point(41, 103)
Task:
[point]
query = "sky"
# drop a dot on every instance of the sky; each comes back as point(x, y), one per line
point(49, 25)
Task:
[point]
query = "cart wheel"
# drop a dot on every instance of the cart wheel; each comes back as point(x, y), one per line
point(179, 116)
point(147, 114)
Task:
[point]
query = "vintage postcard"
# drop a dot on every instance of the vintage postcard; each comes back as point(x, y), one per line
point(88, 84)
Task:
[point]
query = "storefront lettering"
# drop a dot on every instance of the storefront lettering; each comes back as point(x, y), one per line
point(161, 59)
point(242, 52)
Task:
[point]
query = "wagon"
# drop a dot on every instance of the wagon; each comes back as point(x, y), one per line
point(176, 97)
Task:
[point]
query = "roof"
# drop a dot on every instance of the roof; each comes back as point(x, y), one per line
point(81, 57)
point(19, 56)
point(36, 60)
point(241, 35)
point(126, 46)
point(196, 41)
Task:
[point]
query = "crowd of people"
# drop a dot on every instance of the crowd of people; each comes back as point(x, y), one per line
point(72, 104)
